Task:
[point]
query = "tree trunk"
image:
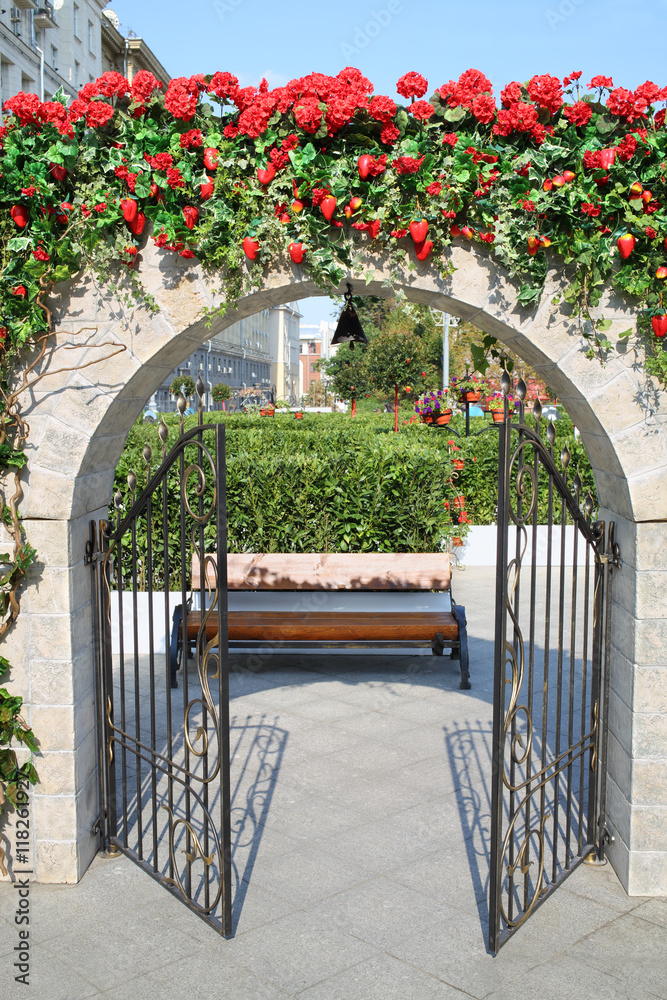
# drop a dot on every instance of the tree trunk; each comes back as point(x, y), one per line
point(396, 408)
point(353, 412)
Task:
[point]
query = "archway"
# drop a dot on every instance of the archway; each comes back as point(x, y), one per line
point(79, 421)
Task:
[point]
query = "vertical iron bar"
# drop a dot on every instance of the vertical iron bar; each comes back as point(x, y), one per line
point(99, 679)
point(604, 698)
point(202, 641)
point(107, 673)
point(186, 647)
point(223, 681)
point(559, 690)
point(137, 690)
point(570, 714)
point(167, 653)
point(495, 882)
point(531, 665)
point(121, 673)
point(596, 676)
point(584, 688)
point(151, 668)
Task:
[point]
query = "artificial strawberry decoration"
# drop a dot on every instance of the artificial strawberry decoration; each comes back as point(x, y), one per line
point(266, 176)
point(328, 207)
point(137, 224)
point(190, 214)
point(636, 190)
point(646, 197)
point(455, 230)
point(569, 176)
point(129, 208)
point(559, 181)
point(20, 291)
point(626, 245)
point(297, 205)
point(659, 324)
point(207, 188)
point(211, 155)
point(58, 172)
point(355, 203)
point(250, 247)
point(364, 164)
point(661, 273)
point(373, 228)
point(418, 230)
point(467, 232)
point(607, 158)
point(154, 190)
point(19, 214)
point(347, 212)
point(548, 184)
point(62, 216)
point(296, 252)
point(423, 250)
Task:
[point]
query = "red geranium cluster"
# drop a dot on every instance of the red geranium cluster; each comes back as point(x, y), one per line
point(381, 108)
point(192, 138)
point(143, 85)
point(519, 117)
point(412, 85)
point(546, 91)
point(578, 114)
point(462, 94)
point(182, 96)
point(421, 110)
point(407, 164)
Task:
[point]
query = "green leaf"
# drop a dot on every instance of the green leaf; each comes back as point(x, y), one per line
point(454, 114)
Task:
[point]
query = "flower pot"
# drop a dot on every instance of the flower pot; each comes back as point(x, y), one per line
point(298, 416)
point(265, 412)
point(443, 418)
point(426, 418)
point(498, 416)
point(459, 464)
point(470, 396)
point(457, 542)
point(458, 503)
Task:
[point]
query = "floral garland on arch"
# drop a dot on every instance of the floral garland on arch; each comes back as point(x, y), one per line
point(323, 170)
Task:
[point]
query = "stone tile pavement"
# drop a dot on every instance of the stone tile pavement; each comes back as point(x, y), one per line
point(369, 873)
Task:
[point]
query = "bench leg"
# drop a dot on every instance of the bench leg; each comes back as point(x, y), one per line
point(460, 613)
point(438, 644)
point(175, 643)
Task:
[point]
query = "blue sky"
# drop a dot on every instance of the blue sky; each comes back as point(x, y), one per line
point(624, 39)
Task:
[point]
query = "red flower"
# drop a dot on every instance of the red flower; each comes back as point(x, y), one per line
point(547, 92)
point(181, 98)
point(143, 85)
point(101, 207)
point(626, 105)
point(487, 237)
point(529, 206)
point(399, 233)
point(421, 110)
point(223, 85)
point(308, 114)
point(381, 108)
point(161, 161)
point(40, 254)
point(520, 117)
point(578, 114)
point(484, 108)
point(407, 164)
point(389, 134)
point(651, 233)
point(592, 159)
point(463, 93)
point(571, 78)
point(511, 94)
point(24, 106)
point(174, 178)
point(588, 209)
point(28, 191)
point(650, 93)
point(626, 148)
point(112, 84)
point(191, 138)
point(412, 85)
point(450, 138)
point(434, 189)
point(318, 195)
point(187, 253)
point(230, 131)
point(98, 114)
point(601, 83)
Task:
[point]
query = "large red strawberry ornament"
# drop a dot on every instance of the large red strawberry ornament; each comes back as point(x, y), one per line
point(266, 176)
point(659, 324)
point(190, 214)
point(211, 155)
point(296, 252)
point(418, 230)
point(58, 172)
point(423, 249)
point(373, 228)
point(328, 207)
point(207, 188)
point(364, 164)
point(19, 214)
point(626, 245)
point(129, 208)
point(607, 157)
point(250, 247)
point(137, 224)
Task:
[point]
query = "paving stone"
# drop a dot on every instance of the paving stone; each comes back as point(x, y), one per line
point(453, 876)
point(307, 876)
point(630, 949)
point(382, 977)
point(564, 977)
point(294, 953)
point(654, 910)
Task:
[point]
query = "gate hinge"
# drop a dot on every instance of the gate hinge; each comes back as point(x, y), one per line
point(612, 556)
point(92, 554)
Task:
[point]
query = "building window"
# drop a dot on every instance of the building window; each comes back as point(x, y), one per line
point(75, 20)
point(91, 38)
point(312, 348)
point(54, 57)
point(77, 74)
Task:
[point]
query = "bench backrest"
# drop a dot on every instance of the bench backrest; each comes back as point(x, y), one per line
point(336, 571)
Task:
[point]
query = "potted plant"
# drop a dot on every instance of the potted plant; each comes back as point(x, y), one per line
point(468, 388)
point(433, 408)
point(496, 406)
point(298, 415)
point(267, 411)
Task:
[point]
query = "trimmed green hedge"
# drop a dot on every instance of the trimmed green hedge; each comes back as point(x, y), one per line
point(329, 483)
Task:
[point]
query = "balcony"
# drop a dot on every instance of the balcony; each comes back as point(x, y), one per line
point(44, 17)
point(25, 4)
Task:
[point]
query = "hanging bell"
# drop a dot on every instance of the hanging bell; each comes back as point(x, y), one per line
point(349, 330)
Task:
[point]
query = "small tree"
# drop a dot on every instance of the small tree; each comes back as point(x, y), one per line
point(184, 384)
point(220, 392)
point(347, 372)
point(398, 361)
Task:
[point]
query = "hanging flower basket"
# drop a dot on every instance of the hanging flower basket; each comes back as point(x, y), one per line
point(266, 411)
point(498, 416)
point(458, 503)
point(469, 396)
point(298, 415)
point(443, 417)
point(459, 464)
point(457, 542)
point(427, 418)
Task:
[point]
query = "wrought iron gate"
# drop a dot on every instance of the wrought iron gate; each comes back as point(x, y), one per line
point(550, 691)
point(164, 752)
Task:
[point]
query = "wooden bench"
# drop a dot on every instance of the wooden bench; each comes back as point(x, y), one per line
point(329, 601)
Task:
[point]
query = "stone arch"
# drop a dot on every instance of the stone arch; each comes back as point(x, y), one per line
point(79, 421)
